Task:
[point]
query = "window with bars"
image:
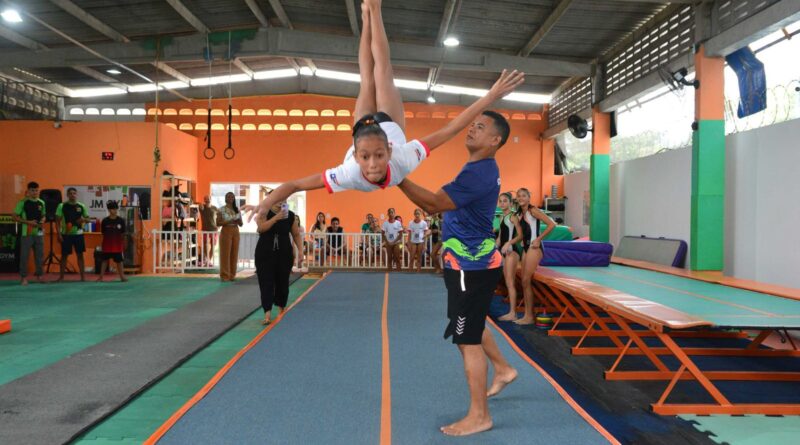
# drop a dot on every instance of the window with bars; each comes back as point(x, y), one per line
point(661, 44)
point(571, 100)
point(731, 12)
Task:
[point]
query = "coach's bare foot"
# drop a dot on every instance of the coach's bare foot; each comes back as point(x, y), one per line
point(23, 282)
point(508, 317)
point(501, 380)
point(123, 280)
point(525, 321)
point(58, 280)
point(468, 425)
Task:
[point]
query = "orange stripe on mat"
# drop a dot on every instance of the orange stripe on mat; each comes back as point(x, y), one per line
point(561, 391)
point(159, 433)
point(386, 381)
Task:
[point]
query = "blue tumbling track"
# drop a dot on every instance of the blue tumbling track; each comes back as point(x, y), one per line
point(316, 377)
point(429, 389)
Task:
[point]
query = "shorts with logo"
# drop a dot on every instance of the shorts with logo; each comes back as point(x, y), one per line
point(469, 294)
point(71, 242)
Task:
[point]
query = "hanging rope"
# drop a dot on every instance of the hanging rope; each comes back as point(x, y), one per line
point(209, 152)
point(229, 152)
point(156, 150)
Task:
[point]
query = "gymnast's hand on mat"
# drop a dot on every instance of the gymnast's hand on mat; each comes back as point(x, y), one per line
point(506, 84)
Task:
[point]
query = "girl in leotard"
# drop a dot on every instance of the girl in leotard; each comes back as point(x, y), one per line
point(530, 217)
point(509, 243)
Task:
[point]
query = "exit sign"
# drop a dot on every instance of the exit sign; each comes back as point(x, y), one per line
point(108, 155)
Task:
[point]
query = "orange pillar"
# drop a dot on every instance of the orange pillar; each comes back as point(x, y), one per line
point(599, 173)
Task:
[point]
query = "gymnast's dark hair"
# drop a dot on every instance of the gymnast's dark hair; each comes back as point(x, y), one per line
point(233, 204)
point(500, 125)
point(368, 126)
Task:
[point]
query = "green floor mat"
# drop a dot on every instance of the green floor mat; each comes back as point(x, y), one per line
point(749, 430)
point(141, 417)
point(55, 320)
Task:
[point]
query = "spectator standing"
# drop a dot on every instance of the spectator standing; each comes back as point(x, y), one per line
point(392, 237)
point(30, 212)
point(230, 218)
point(70, 218)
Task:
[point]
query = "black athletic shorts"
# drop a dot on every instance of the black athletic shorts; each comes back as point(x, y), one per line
point(71, 242)
point(469, 294)
point(116, 256)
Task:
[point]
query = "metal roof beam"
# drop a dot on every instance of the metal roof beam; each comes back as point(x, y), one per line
point(243, 67)
point(187, 15)
point(352, 17)
point(111, 33)
point(448, 17)
point(281, 13)
point(90, 20)
point(548, 24)
point(172, 72)
point(280, 42)
point(258, 13)
point(19, 39)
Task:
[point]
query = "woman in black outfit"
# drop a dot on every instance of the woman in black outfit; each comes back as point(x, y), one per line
point(275, 256)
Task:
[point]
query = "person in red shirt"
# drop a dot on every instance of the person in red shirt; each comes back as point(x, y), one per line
point(113, 229)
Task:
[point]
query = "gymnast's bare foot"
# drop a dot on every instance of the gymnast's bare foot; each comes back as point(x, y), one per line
point(508, 317)
point(501, 380)
point(468, 425)
point(525, 321)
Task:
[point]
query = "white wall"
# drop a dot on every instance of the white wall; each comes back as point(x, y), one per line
point(575, 184)
point(652, 196)
point(654, 201)
point(763, 204)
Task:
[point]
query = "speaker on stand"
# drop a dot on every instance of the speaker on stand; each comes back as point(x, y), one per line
point(52, 198)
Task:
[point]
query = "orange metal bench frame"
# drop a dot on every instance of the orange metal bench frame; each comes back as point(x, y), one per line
point(597, 308)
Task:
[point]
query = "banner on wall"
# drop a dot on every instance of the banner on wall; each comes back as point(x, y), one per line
point(96, 196)
point(9, 245)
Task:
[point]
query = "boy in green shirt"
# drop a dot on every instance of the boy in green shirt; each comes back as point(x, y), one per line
point(71, 216)
point(31, 214)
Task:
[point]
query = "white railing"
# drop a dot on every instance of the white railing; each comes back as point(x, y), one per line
point(179, 251)
point(358, 251)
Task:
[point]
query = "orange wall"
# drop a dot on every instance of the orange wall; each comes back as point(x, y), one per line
point(279, 156)
point(71, 155)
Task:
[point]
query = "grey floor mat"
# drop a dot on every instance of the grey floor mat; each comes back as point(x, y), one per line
point(57, 403)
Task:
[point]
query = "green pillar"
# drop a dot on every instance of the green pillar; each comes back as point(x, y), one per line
point(598, 197)
point(598, 178)
point(707, 234)
point(708, 196)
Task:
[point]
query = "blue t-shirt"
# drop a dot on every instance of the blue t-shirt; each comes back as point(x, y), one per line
point(469, 242)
